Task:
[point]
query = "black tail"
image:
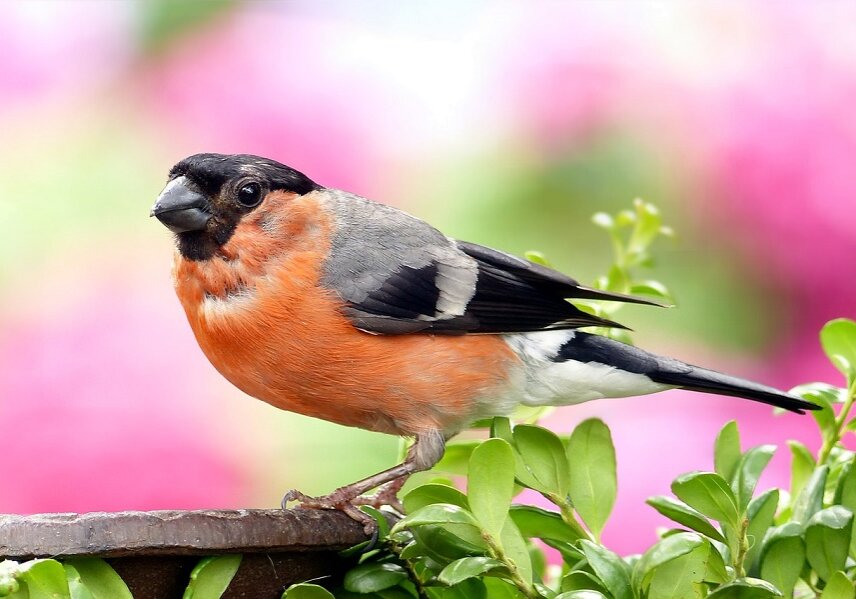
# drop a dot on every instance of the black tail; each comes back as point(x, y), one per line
point(585, 347)
point(695, 378)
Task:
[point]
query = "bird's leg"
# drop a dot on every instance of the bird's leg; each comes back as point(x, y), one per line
point(386, 495)
point(424, 453)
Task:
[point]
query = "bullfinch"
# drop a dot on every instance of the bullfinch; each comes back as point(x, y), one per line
point(324, 303)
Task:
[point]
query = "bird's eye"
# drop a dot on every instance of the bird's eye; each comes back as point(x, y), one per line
point(250, 195)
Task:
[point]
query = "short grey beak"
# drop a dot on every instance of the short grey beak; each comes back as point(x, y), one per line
point(180, 208)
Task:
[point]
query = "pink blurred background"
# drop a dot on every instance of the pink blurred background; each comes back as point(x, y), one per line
point(505, 124)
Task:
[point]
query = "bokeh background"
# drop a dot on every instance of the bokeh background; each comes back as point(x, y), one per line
point(507, 124)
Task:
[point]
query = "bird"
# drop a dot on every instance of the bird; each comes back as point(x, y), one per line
point(321, 302)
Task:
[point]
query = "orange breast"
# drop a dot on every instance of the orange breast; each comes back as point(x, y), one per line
point(266, 325)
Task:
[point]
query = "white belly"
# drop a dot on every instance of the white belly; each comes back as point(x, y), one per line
point(544, 382)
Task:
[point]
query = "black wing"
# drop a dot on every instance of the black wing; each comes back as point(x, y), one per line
point(506, 295)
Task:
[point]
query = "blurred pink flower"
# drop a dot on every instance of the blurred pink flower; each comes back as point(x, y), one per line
point(53, 47)
point(266, 83)
point(786, 183)
point(563, 88)
point(779, 163)
point(89, 420)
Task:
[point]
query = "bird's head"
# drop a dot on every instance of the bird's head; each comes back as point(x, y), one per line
point(208, 195)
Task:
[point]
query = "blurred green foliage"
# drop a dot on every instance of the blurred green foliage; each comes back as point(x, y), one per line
point(515, 197)
point(163, 21)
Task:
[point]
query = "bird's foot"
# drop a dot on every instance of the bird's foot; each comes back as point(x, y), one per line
point(341, 500)
point(387, 495)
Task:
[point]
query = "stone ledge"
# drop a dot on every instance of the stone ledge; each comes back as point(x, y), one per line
point(174, 532)
point(154, 552)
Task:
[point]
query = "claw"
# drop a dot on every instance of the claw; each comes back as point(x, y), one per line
point(337, 500)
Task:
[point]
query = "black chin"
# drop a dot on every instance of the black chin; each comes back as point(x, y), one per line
point(196, 245)
point(202, 245)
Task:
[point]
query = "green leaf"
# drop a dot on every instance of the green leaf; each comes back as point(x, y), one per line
point(839, 587)
point(211, 577)
point(684, 575)
point(571, 554)
point(544, 457)
point(491, 484)
point(411, 551)
point(726, 451)
point(498, 588)
point(373, 577)
point(665, 550)
point(593, 485)
point(647, 227)
point(827, 538)
point(403, 592)
point(515, 549)
point(611, 569)
point(625, 218)
point(802, 465)
point(45, 579)
point(305, 590)
point(536, 257)
point(685, 515)
point(825, 396)
point(582, 594)
point(472, 588)
point(456, 458)
point(708, 493)
point(426, 569)
point(536, 522)
point(501, 429)
point(603, 220)
point(99, 578)
point(838, 459)
point(810, 499)
point(467, 567)
point(820, 393)
point(653, 288)
point(76, 588)
point(783, 556)
point(538, 559)
point(436, 513)
point(677, 578)
point(838, 338)
point(431, 493)
point(579, 580)
point(749, 470)
point(845, 491)
point(617, 279)
point(444, 543)
point(444, 532)
point(760, 512)
point(746, 588)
